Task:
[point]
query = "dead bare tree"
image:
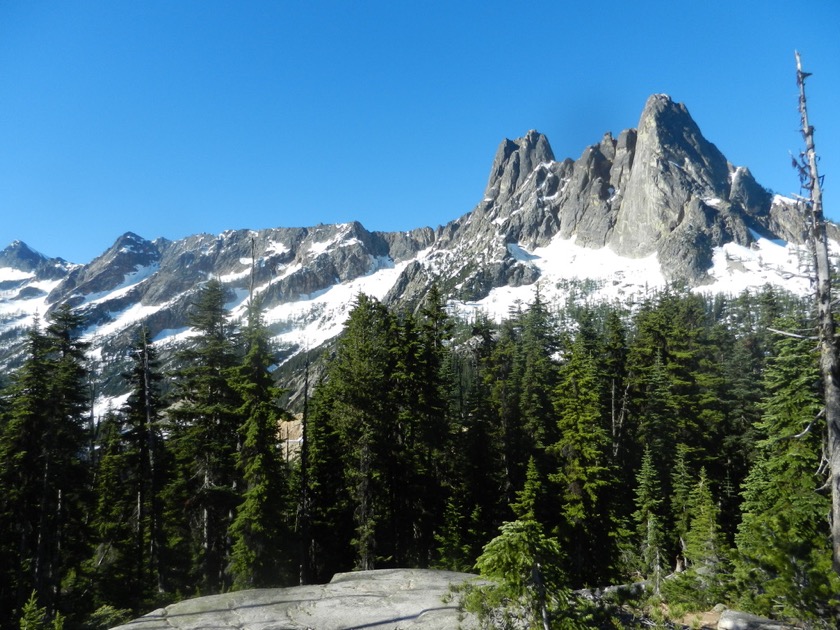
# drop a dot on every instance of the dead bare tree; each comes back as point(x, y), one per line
point(818, 242)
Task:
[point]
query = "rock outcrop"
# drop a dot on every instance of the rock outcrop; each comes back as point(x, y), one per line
point(385, 599)
point(661, 190)
point(734, 620)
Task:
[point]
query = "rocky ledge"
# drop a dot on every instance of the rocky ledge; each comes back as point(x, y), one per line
point(384, 599)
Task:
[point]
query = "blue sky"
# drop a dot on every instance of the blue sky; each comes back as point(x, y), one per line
point(172, 117)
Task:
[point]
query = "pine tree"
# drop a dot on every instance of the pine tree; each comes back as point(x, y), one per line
point(145, 468)
point(706, 579)
point(43, 471)
point(539, 344)
point(355, 419)
point(115, 563)
point(648, 522)
point(680, 507)
point(583, 476)
point(330, 510)
point(205, 439)
point(23, 465)
point(502, 373)
point(261, 551)
point(784, 557)
point(476, 506)
point(528, 588)
point(34, 617)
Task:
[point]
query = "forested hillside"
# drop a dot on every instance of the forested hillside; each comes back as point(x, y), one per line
point(678, 437)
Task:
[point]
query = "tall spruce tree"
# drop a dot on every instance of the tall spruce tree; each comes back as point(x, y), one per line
point(148, 463)
point(354, 420)
point(706, 578)
point(583, 476)
point(131, 561)
point(648, 520)
point(262, 551)
point(205, 439)
point(783, 563)
point(44, 473)
point(476, 506)
point(24, 467)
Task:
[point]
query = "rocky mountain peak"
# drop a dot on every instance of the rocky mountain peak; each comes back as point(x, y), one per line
point(652, 204)
point(18, 255)
point(128, 255)
point(514, 161)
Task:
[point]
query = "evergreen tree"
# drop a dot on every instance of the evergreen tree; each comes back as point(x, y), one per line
point(43, 471)
point(131, 558)
point(114, 566)
point(648, 522)
point(261, 533)
point(583, 476)
point(528, 588)
point(783, 564)
point(24, 463)
point(614, 374)
point(502, 373)
point(34, 617)
point(329, 508)
point(680, 506)
point(706, 579)
point(476, 506)
point(539, 344)
point(205, 438)
point(355, 419)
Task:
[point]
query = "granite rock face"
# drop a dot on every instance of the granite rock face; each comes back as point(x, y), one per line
point(734, 620)
point(385, 599)
point(660, 190)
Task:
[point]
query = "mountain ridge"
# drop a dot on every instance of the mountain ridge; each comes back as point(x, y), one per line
point(657, 204)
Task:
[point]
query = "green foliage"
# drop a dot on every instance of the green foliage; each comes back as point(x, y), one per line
point(527, 586)
point(45, 466)
point(706, 579)
point(130, 557)
point(107, 616)
point(423, 436)
point(583, 473)
point(262, 537)
point(783, 564)
point(204, 439)
point(33, 617)
point(648, 520)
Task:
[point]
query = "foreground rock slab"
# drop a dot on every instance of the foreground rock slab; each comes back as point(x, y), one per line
point(378, 600)
point(733, 620)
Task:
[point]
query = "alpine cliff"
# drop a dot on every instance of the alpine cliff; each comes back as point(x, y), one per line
point(657, 204)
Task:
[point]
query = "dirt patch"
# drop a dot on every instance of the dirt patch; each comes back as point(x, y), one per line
point(702, 620)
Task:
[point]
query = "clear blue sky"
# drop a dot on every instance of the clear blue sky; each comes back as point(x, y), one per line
point(172, 117)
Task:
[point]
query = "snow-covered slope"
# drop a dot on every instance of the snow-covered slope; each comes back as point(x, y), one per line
point(658, 204)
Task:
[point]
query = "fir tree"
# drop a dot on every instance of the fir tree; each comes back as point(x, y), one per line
point(205, 439)
point(261, 550)
point(539, 344)
point(649, 523)
point(583, 476)
point(705, 549)
point(784, 558)
point(354, 419)
point(528, 588)
point(43, 471)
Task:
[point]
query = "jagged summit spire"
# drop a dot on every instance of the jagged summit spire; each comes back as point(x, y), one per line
point(514, 161)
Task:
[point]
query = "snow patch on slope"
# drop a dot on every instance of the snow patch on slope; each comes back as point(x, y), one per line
point(314, 319)
point(130, 280)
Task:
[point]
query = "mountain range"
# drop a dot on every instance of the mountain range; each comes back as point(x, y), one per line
point(655, 205)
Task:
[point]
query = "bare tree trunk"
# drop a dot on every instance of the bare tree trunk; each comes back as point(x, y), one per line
point(828, 344)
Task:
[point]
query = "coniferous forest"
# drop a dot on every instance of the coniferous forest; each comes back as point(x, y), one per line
point(677, 443)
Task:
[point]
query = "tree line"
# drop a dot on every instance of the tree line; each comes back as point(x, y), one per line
point(678, 438)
